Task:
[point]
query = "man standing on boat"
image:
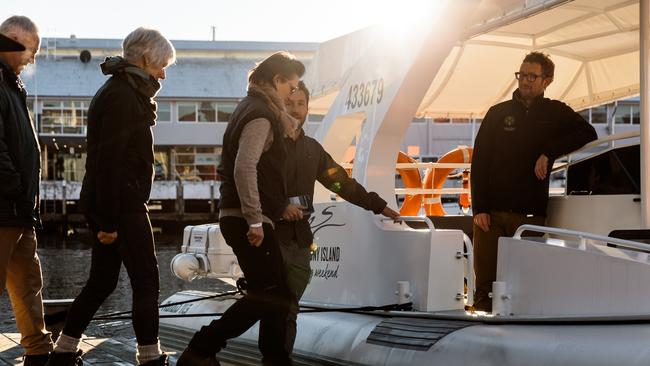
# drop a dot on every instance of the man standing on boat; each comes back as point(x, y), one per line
point(307, 163)
point(20, 170)
point(514, 151)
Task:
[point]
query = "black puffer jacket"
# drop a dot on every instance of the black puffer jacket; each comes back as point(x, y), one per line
point(20, 159)
point(119, 165)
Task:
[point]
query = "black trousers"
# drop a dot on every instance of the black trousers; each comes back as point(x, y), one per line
point(267, 299)
point(486, 251)
point(135, 248)
point(296, 260)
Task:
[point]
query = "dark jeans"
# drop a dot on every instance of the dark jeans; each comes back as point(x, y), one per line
point(485, 251)
point(135, 248)
point(296, 260)
point(267, 299)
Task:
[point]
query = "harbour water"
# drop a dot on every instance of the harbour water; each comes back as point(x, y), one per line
point(65, 263)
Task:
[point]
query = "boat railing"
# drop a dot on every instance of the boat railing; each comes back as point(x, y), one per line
point(577, 156)
point(468, 253)
point(558, 166)
point(605, 140)
point(425, 166)
point(582, 238)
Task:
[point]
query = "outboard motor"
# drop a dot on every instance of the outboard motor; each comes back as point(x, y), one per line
point(204, 253)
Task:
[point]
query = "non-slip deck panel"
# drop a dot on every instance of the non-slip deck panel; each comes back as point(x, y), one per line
point(415, 334)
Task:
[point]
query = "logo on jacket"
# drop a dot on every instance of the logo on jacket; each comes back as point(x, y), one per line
point(509, 123)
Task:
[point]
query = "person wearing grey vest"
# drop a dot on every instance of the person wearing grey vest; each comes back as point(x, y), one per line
point(253, 198)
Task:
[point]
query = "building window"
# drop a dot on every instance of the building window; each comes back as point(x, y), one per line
point(196, 163)
point(207, 111)
point(224, 110)
point(164, 112)
point(197, 111)
point(460, 120)
point(187, 112)
point(599, 114)
point(635, 114)
point(622, 114)
point(64, 117)
point(160, 165)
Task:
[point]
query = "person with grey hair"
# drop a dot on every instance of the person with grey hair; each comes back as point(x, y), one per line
point(20, 167)
point(114, 195)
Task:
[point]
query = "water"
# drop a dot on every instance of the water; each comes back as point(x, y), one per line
point(66, 263)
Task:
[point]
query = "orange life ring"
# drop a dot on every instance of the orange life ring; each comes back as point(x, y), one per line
point(412, 179)
point(435, 178)
point(465, 199)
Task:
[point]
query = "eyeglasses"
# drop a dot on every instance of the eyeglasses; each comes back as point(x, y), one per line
point(530, 77)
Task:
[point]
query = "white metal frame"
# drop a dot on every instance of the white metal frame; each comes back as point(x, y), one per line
point(583, 237)
point(469, 254)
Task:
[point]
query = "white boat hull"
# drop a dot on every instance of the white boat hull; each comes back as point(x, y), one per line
point(332, 338)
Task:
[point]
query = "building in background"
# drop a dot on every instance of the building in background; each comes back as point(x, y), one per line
point(194, 105)
point(197, 98)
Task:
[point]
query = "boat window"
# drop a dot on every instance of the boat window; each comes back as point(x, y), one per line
point(614, 172)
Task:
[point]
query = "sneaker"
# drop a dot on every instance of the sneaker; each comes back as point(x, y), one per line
point(192, 358)
point(65, 359)
point(161, 361)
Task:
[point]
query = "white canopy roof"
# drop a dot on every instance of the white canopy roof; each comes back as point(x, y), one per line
point(594, 44)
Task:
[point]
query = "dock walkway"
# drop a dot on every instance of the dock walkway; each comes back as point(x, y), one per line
point(118, 351)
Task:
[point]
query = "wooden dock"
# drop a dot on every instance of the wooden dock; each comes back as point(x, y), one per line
point(119, 351)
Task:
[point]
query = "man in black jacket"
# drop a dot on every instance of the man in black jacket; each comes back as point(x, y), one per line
point(20, 167)
point(307, 163)
point(514, 150)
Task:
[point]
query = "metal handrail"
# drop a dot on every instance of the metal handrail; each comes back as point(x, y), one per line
point(414, 219)
point(413, 191)
point(581, 236)
point(620, 136)
point(420, 165)
point(469, 270)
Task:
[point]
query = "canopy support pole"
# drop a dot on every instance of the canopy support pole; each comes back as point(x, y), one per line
point(644, 63)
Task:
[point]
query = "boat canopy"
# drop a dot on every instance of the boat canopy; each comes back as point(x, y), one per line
point(594, 44)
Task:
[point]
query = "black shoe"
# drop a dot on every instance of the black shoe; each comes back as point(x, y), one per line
point(192, 358)
point(35, 360)
point(65, 359)
point(161, 361)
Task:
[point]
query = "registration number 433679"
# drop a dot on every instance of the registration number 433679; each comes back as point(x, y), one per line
point(365, 93)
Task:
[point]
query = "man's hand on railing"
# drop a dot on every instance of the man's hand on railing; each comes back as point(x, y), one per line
point(482, 220)
point(390, 213)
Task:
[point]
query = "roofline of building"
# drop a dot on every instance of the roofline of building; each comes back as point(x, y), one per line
point(182, 45)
